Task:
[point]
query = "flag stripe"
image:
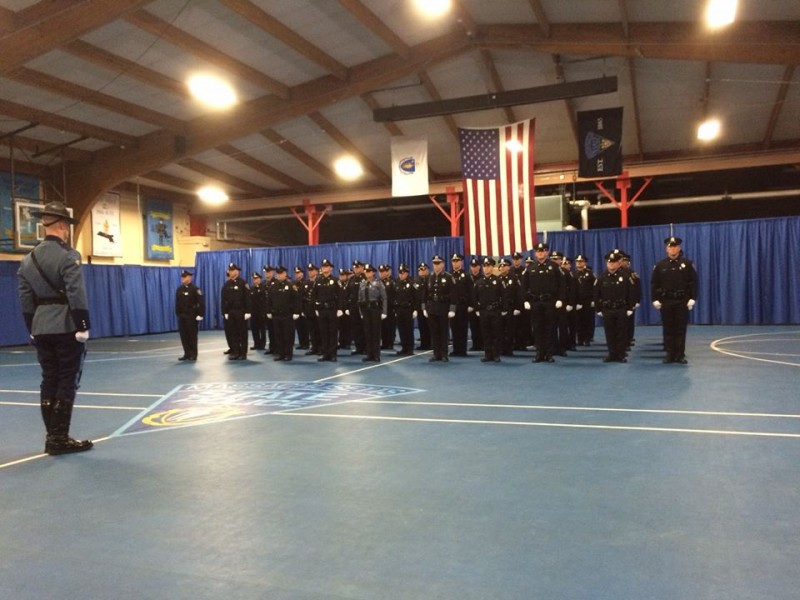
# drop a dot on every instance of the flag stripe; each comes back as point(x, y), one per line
point(498, 186)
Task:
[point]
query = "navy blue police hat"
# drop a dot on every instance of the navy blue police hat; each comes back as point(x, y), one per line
point(233, 267)
point(325, 263)
point(541, 246)
point(280, 269)
point(256, 275)
point(613, 256)
point(580, 257)
point(422, 267)
point(357, 263)
point(673, 241)
point(516, 255)
point(475, 262)
point(186, 273)
point(268, 268)
point(437, 259)
point(457, 256)
point(369, 267)
point(489, 262)
point(403, 268)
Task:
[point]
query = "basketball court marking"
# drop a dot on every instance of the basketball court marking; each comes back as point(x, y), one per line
point(755, 338)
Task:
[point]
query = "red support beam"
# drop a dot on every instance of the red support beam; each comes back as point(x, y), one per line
point(623, 185)
point(314, 219)
point(456, 210)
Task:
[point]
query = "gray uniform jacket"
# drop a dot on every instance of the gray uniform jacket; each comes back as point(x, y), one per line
point(45, 310)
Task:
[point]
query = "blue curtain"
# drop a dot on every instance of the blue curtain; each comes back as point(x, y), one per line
point(747, 274)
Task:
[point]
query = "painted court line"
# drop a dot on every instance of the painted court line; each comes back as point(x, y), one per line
point(110, 394)
point(537, 424)
point(36, 405)
point(42, 455)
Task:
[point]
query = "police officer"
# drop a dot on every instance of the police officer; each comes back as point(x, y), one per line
point(584, 307)
point(269, 281)
point(352, 310)
point(489, 301)
point(301, 325)
point(53, 300)
point(512, 305)
point(673, 288)
point(309, 310)
point(326, 296)
point(388, 325)
point(571, 292)
point(235, 303)
point(345, 337)
point(372, 303)
point(283, 307)
point(474, 320)
point(614, 301)
point(439, 306)
point(421, 283)
point(405, 310)
point(258, 319)
point(190, 306)
point(459, 324)
point(543, 291)
point(560, 342)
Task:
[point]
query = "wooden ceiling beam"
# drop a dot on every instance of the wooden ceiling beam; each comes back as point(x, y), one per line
point(281, 32)
point(47, 25)
point(28, 168)
point(572, 117)
point(374, 25)
point(171, 180)
point(623, 17)
point(347, 144)
point(777, 107)
point(464, 18)
point(223, 177)
point(176, 36)
point(373, 104)
point(7, 20)
point(46, 119)
point(449, 120)
point(263, 168)
point(637, 121)
point(88, 96)
point(38, 147)
point(747, 42)
point(542, 22)
point(123, 66)
point(497, 83)
point(299, 154)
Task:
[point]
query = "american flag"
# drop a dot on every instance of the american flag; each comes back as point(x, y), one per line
point(498, 184)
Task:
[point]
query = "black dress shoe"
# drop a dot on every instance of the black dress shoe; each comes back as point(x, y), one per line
point(445, 359)
point(667, 360)
point(184, 358)
point(550, 359)
point(323, 359)
point(682, 361)
point(607, 358)
point(310, 353)
point(55, 446)
point(233, 357)
point(287, 358)
point(277, 358)
point(433, 359)
point(486, 359)
point(192, 358)
point(228, 351)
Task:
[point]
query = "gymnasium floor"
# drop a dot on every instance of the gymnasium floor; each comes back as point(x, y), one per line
point(409, 479)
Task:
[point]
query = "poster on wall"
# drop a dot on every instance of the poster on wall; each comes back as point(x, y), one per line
point(158, 235)
point(25, 188)
point(106, 234)
point(28, 229)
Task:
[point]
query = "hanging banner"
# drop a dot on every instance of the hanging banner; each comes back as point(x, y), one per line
point(106, 232)
point(158, 235)
point(13, 189)
point(409, 166)
point(600, 143)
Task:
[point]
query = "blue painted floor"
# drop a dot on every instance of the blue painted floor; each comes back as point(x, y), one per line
point(408, 479)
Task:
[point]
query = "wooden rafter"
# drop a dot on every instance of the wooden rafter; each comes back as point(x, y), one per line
point(777, 107)
point(37, 147)
point(281, 32)
point(373, 24)
point(331, 130)
point(568, 105)
point(427, 82)
point(636, 113)
point(171, 180)
point(176, 36)
point(542, 21)
point(263, 168)
point(497, 83)
point(623, 18)
point(373, 104)
point(464, 18)
point(223, 177)
point(299, 154)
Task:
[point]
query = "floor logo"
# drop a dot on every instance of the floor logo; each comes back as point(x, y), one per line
point(202, 403)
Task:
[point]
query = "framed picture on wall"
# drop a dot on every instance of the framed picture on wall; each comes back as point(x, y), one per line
point(28, 230)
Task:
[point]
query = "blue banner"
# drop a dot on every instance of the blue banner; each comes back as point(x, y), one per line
point(159, 237)
point(25, 188)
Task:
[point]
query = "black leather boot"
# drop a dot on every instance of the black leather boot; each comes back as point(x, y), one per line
point(58, 440)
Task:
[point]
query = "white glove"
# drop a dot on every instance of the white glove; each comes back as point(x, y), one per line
point(424, 313)
point(316, 311)
point(579, 307)
point(503, 313)
point(247, 316)
point(569, 308)
point(690, 304)
point(592, 304)
point(559, 304)
point(527, 305)
point(347, 311)
point(198, 318)
point(269, 315)
point(226, 316)
point(637, 305)
point(629, 312)
point(295, 317)
point(383, 317)
point(414, 315)
point(82, 336)
point(656, 304)
point(516, 312)
point(478, 313)
point(451, 314)
point(600, 314)
point(470, 309)
point(339, 313)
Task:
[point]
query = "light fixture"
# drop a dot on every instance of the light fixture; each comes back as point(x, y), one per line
point(212, 91)
point(433, 8)
point(212, 195)
point(720, 13)
point(348, 168)
point(514, 146)
point(708, 130)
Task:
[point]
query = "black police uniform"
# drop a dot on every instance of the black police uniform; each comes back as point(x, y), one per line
point(301, 325)
point(283, 304)
point(235, 303)
point(459, 324)
point(310, 312)
point(475, 320)
point(53, 313)
point(356, 327)
point(372, 304)
point(438, 302)
point(542, 287)
point(405, 303)
point(422, 321)
point(613, 298)
point(512, 303)
point(490, 302)
point(585, 315)
point(389, 324)
point(674, 283)
point(189, 304)
point(258, 319)
point(326, 296)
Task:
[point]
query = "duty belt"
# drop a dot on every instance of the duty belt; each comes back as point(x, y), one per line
point(612, 303)
point(540, 297)
point(371, 304)
point(675, 295)
point(48, 301)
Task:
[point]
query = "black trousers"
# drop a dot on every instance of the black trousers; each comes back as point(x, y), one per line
point(236, 332)
point(674, 321)
point(440, 333)
point(543, 319)
point(61, 357)
point(615, 324)
point(475, 331)
point(328, 332)
point(283, 326)
point(388, 331)
point(492, 331)
point(313, 331)
point(301, 326)
point(459, 325)
point(187, 329)
point(424, 331)
point(405, 328)
point(357, 329)
point(584, 321)
point(371, 323)
point(258, 327)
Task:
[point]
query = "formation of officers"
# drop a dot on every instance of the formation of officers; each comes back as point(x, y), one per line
point(503, 306)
